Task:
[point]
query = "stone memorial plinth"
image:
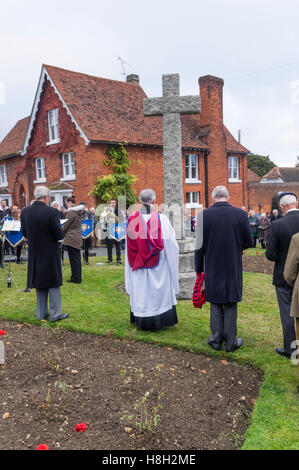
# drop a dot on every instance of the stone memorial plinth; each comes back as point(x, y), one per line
point(187, 274)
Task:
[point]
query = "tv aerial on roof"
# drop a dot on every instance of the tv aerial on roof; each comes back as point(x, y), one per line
point(123, 64)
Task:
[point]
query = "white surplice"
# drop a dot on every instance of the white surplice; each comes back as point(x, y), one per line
point(153, 291)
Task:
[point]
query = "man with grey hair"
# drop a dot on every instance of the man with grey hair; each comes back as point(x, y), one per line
point(281, 232)
point(151, 266)
point(41, 226)
point(147, 197)
point(224, 234)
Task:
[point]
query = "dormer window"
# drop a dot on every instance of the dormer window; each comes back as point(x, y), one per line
point(53, 126)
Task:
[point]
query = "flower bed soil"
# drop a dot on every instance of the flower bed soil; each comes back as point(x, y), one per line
point(53, 379)
point(257, 264)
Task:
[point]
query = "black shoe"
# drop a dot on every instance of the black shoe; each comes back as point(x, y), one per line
point(213, 345)
point(118, 262)
point(283, 352)
point(61, 317)
point(109, 261)
point(27, 289)
point(237, 345)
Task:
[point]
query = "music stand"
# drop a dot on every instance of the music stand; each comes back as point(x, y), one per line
point(8, 226)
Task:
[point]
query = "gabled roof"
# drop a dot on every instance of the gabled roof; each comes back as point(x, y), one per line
point(13, 143)
point(287, 175)
point(253, 176)
point(232, 145)
point(105, 110)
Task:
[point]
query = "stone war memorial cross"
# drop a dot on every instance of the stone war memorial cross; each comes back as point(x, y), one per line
point(171, 106)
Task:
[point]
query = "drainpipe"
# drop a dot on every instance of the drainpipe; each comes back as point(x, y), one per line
point(206, 179)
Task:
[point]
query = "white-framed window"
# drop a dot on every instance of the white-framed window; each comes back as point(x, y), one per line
point(40, 170)
point(53, 125)
point(192, 199)
point(233, 170)
point(3, 176)
point(191, 167)
point(68, 166)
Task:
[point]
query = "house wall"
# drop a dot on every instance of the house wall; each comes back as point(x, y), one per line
point(261, 194)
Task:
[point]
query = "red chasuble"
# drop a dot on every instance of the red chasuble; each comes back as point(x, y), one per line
point(144, 241)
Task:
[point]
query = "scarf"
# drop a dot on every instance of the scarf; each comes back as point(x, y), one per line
point(144, 241)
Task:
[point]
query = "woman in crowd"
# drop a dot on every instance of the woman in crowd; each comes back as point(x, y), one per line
point(16, 214)
point(254, 223)
point(264, 229)
point(73, 238)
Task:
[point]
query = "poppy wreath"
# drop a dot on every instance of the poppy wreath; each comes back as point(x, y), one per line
point(199, 294)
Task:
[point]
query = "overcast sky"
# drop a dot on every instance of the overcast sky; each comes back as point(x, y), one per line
point(252, 45)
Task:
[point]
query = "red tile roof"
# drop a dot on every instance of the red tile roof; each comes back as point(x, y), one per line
point(253, 176)
point(13, 143)
point(232, 145)
point(287, 174)
point(112, 111)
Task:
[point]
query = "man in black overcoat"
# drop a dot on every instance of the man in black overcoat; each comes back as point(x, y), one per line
point(41, 226)
point(281, 232)
point(224, 234)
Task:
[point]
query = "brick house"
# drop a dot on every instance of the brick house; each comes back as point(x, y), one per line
point(76, 116)
point(262, 192)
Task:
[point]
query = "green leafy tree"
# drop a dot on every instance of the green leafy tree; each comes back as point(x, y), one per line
point(260, 164)
point(118, 183)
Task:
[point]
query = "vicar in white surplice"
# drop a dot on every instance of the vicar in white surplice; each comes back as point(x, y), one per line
point(151, 266)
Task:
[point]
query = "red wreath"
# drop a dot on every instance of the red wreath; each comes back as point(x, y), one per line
point(199, 294)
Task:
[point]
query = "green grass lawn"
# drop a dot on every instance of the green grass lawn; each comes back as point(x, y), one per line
point(97, 306)
point(258, 251)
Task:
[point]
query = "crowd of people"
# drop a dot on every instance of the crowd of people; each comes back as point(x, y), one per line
point(152, 259)
point(260, 225)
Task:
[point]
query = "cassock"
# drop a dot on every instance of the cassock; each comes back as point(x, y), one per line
point(151, 272)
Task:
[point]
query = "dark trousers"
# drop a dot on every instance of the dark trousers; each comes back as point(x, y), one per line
point(8, 247)
point(223, 323)
point(284, 298)
point(19, 251)
point(110, 243)
point(75, 262)
point(86, 245)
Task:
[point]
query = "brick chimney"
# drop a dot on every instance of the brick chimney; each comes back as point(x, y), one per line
point(211, 100)
point(132, 78)
point(211, 118)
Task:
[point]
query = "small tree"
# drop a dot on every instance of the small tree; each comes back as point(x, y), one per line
point(260, 164)
point(119, 183)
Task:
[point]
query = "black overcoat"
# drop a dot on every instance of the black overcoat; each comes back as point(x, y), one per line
point(226, 233)
point(281, 232)
point(41, 226)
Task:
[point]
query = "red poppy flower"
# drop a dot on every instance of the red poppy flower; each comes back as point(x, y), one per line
point(42, 447)
point(81, 427)
point(2, 332)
